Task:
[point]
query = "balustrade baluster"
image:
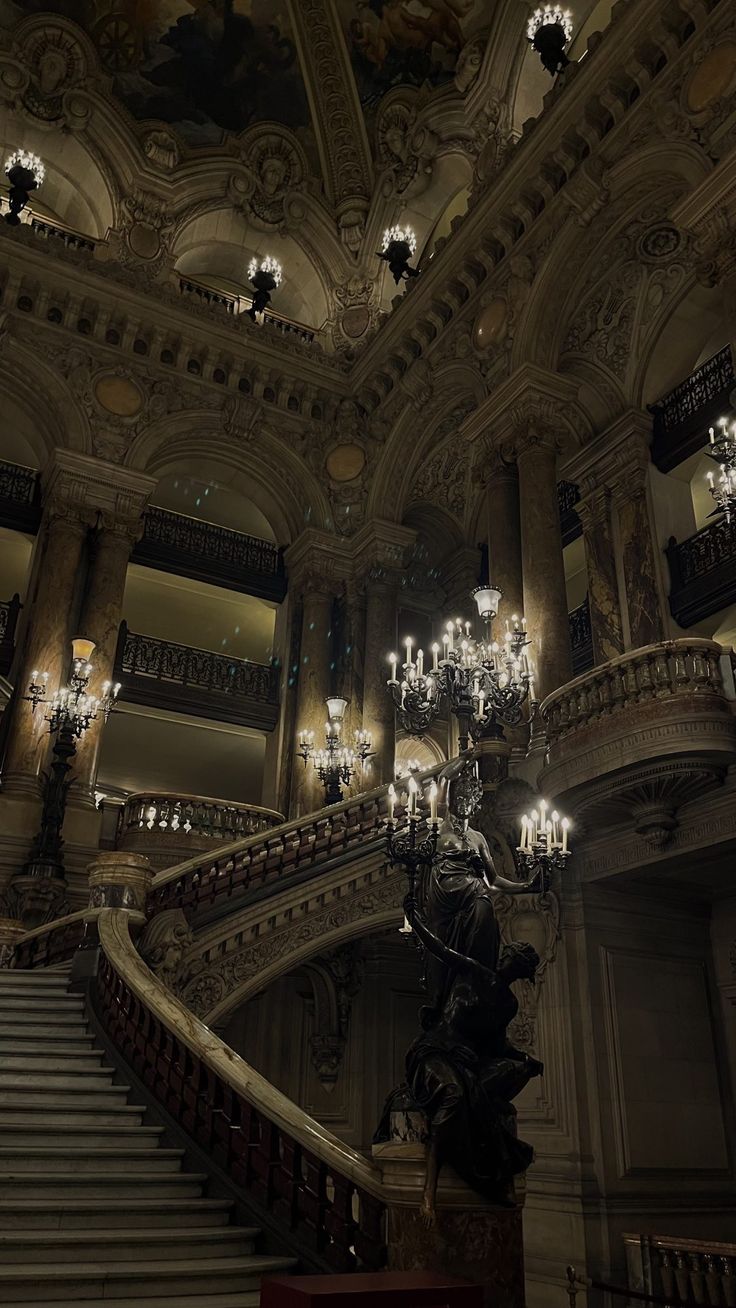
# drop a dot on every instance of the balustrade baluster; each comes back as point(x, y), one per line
point(699, 670)
point(341, 1225)
point(312, 1201)
point(728, 1280)
point(667, 1273)
point(682, 1275)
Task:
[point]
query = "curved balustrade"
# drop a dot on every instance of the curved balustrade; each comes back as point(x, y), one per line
point(54, 943)
point(657, 702)
point(287, 852)
point(165, 826)
point(324, 1194)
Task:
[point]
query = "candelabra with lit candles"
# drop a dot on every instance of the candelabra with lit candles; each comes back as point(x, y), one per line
point(543, 847)
point(336, 763)
point(722, 448)
point(412, 846)
point(484, 682)
point(70, 711)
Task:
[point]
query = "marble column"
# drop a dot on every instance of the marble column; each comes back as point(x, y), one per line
point(379, 715)
point(504, 538)
point(313, 686)
point(545, 594)
point(594, 511)
point(46, 645)
point(102, 612)
point(636, 532)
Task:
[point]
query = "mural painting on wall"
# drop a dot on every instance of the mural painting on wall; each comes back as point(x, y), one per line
point(204, 66)
point(407, 42)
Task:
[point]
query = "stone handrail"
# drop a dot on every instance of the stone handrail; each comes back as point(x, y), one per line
point(327, 1194)
point(655, 672)
point(293, 849)
point(55, 942)
point(198, 815)
point(680, 1269)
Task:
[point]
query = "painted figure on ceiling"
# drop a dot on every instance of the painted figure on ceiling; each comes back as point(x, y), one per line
point(395, 42)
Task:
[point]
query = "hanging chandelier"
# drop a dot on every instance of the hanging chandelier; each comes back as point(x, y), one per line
point(543, 846)
point(336, 763)
point(399, 246)
point(25, 172)
point(723, 450)
point(549, 30)
point(485, 683)
point(264, 277)
point(71, 708)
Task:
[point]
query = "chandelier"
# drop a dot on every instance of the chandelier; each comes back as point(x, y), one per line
point(264, 277)
point(399, 246)
point(336, 763)
point(25, 172)
point(723, 450)
point(71, 708)
point(549, 30)
point(484, 683)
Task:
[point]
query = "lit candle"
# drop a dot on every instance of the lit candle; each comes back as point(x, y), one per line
point(524, 832)
point(555, 833)
point(565, 828)
point(533, 832)
point(408, 650)
point(393, 661)
point(435, 653)
point(413, 793)
point(450, 637)
point(712, 435)
point(710, 480)
point(543, 816)
point(467, 628)
point(481, 703)
point(433, 802)
point(391, 803)
point(420, 662)
point(446, 645)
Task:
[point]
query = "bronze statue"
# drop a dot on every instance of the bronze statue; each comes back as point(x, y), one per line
point(461, 1071)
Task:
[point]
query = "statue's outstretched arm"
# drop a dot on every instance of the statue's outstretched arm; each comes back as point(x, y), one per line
point(453, 959)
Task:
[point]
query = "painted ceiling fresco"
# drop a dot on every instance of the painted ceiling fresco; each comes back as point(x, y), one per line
point(204, 66)
point(407, 42)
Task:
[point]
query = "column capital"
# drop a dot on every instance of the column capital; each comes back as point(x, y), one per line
point(95, 492)
point(706, 216)
point(617, 460)
point(381, 551)
point(318, 564)
point(594, 507)
point(530, 396)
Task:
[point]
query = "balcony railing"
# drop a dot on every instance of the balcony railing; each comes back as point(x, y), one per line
point(237, 304)
point(176, 543)
point(702, 572)
point(169, 828)
point(681, 1271)
point(165, 674)
point(682, 418)
point(9, 612)
point(581, 638)
point(20, 497)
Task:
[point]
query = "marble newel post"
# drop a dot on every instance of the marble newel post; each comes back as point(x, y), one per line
point(504, 538)
point(102, 612)
point(545, 594)
point(594, 511)
point(46, 645)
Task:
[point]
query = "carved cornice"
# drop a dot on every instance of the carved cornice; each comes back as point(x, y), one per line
point(617, 460)
point(100, 493)
point(531, 404)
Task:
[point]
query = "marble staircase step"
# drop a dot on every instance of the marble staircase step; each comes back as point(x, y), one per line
point(70, 1213)
point(52, 1060)
point(48, 1159)
point(125, 1245)
point(65, 1095)
point(40, 1024)
point(81, 1136)
point(12, 978)
point(96, 1281)
point(98, 1185)
point(39, 1116)
point(42, 1001)
point(29, 1074)
point(28, 1039)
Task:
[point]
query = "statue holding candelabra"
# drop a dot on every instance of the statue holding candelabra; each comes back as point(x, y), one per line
point(462, 1073)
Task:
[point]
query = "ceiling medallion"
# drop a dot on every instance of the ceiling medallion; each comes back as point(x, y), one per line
point(660, 242)
point(345, 462)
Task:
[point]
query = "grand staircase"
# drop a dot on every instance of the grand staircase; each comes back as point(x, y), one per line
point(92, 1206)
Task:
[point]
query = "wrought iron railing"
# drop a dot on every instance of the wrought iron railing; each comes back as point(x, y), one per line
point(162, 672)
point(581, 637)
point(191, 815)
point(325, 1198)
point(683, 416)
point(9, 611)
point(20, 497)
point(702, 572)
point(208, 552)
